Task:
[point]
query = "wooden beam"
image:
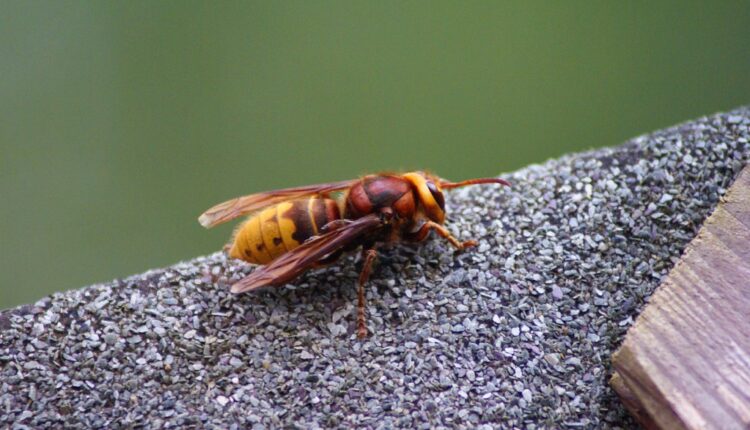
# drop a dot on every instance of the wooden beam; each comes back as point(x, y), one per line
point(685, 363)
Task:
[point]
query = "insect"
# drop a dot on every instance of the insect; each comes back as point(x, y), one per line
point(292, 230)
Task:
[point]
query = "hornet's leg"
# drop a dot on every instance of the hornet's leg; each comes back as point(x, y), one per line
point(370, 255)
point(423, 231)
point(335, 224)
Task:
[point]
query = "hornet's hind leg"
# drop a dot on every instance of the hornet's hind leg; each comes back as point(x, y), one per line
point(370, 255)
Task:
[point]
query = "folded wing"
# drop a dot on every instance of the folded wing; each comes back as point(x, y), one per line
point(244, 205)
point(293, 263)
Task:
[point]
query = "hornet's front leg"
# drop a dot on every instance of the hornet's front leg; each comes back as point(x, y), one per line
point(428, 226)
point(369, 258)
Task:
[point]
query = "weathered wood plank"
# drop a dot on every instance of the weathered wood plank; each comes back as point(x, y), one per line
point(686, 361)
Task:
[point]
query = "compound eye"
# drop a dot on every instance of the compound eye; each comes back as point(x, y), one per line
point(436, 194)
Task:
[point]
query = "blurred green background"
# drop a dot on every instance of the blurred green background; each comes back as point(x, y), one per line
point(120, 122)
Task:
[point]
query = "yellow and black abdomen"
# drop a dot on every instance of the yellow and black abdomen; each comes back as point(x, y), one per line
point(281, 228)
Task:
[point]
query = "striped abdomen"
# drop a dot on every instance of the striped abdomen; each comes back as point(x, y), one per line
point(281, 228)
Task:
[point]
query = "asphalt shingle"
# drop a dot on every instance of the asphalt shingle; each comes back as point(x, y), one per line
point(516, 333)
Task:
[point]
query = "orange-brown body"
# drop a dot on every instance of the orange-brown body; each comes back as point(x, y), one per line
point(411, 199)
point(294, 229)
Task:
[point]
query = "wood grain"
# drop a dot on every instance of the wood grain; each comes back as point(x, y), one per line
point(685, 364)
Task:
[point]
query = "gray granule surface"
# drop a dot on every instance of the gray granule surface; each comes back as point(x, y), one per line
point(517, 333)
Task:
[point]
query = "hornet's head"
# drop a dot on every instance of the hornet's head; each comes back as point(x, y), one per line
point(429, 189)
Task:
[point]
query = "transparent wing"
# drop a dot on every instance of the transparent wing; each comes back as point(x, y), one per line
point(244, 205)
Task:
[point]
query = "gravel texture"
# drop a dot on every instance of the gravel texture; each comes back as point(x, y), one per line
point(517, 333)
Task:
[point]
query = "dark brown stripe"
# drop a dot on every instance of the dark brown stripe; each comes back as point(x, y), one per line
point(319, 213)
point(303, 225)
point(332, 211)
